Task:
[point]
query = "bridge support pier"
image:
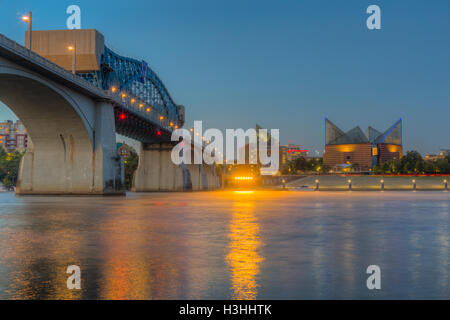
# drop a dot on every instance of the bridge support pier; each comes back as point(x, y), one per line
point(63, 159)
point(156, 172)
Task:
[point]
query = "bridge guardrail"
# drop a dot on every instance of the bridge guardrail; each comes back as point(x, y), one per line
point(47, 64)
point(42, 62)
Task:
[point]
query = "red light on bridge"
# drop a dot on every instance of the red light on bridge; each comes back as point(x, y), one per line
point(123, 116)
point(158, 133)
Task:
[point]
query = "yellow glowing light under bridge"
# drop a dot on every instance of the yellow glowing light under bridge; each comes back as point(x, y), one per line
point(243, 178)
point(244, 192)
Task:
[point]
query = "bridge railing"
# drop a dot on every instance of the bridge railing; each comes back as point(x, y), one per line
point(46, 64)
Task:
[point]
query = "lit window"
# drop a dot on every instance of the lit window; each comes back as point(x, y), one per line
point(374, 151)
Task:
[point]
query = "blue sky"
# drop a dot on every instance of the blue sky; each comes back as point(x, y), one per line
point(283, 64)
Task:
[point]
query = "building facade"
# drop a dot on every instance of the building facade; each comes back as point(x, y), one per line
point(434, 157)
point(13, 136)
point(444, 152)
point(361, 151)
point(290, 153)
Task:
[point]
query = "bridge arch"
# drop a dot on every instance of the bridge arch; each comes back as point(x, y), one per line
point(10, 74)
point(60, 157)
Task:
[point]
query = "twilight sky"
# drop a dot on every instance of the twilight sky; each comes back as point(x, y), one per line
point(283, 64)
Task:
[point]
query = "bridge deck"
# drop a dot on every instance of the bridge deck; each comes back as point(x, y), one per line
point(36, 63)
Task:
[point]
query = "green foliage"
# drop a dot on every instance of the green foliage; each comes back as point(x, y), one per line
point(443, 165)
point(303, 165)
point(9, 167)
point(2, 152)
point(389, 167)
point(131, 164)
point(413, 163)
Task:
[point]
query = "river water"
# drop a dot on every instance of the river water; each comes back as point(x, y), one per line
point(226, 245)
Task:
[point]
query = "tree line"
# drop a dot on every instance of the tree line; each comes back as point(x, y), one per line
point(304, 165)
point(411, 163)
point(9, 167)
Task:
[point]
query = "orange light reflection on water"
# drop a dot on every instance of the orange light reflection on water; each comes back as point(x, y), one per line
point(243, 257)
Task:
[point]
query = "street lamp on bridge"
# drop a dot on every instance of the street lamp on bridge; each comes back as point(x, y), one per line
point(29, 19)
point(73, 48)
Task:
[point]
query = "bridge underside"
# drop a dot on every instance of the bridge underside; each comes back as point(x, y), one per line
point(134, 126)
point(63, 156)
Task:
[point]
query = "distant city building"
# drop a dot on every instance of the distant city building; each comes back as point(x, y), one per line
point(432, 157)
point(283, 156)
point(13, 136)
point(291, 152)
point(354, 148)
point(442, 154)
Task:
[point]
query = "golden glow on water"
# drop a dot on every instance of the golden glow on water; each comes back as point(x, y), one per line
point(243, 257)
point(30, 275)
point(238, 244)
point(126, 272)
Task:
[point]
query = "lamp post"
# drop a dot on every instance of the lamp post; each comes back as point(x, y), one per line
point(349, 185)
point(317, 185)
point(445, 185)
point(382, 185)
point(29, 19)
point(414, 184)
point(73, 48)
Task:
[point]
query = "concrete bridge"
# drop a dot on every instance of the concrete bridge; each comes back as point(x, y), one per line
point(72, 118)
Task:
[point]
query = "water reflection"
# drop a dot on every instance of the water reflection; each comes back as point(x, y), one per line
point(57, 244)
point(140, 257)
point(243, 257)
point(126, 269)
point(221, 245)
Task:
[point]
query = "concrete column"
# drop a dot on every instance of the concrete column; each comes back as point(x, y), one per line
point(213, 180)
point(108, 167)
point(60, 164)
point(25, 178)
point(204, 177)
point(64, 159)
point(157, 172)
point(195, 171)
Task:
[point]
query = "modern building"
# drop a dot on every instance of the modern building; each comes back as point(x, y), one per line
point(356, 149)
point(13, 136)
